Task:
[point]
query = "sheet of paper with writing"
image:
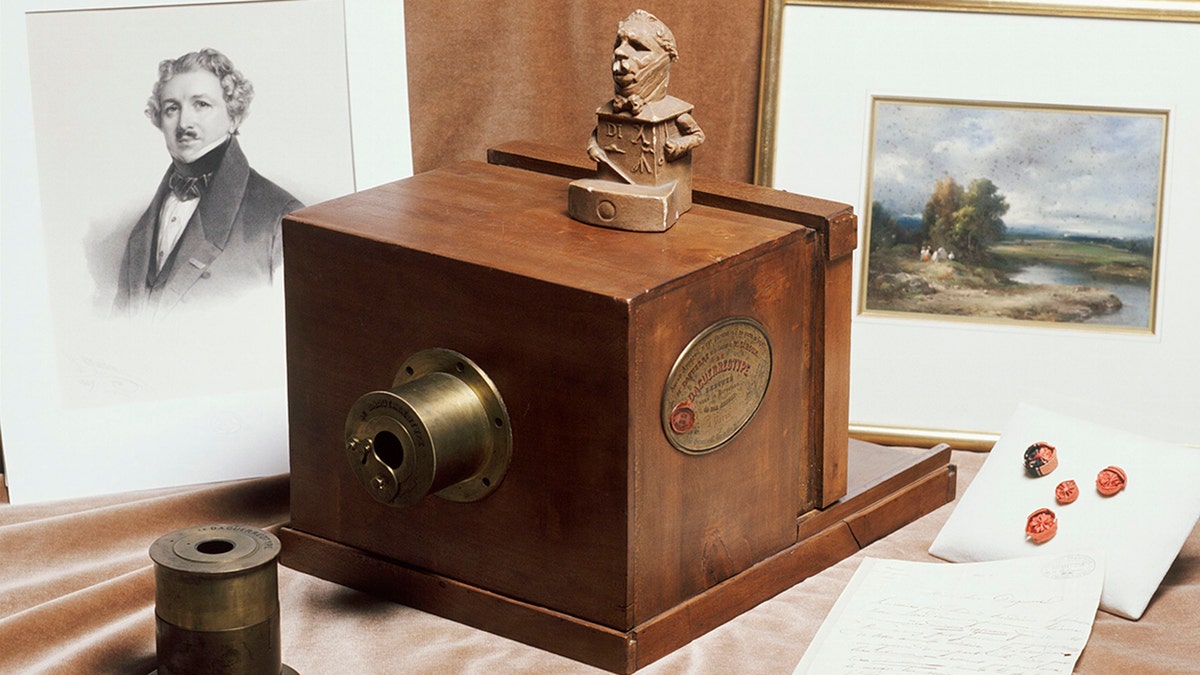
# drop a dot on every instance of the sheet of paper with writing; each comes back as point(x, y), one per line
point(1028, 615)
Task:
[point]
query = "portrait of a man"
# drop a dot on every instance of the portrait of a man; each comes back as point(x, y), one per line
point(152, 282)
point(212, 228)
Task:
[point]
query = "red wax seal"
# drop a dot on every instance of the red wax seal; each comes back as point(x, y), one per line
point(683, 417)
point(1110, 481)
point(1066, 492)
point(1041, 526)
point(1040, 459)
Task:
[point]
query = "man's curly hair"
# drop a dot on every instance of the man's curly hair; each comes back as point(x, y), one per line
point(237, 89)
point(662, 34)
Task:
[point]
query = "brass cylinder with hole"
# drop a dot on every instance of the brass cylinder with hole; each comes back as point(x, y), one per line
point(441, 429)
point(217, 601)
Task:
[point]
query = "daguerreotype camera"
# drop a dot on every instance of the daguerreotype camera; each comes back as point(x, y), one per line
point(598, 408)
point(570, 435)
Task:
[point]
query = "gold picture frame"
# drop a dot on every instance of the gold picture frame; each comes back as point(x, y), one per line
point(1186, 11)
point(1165, 13)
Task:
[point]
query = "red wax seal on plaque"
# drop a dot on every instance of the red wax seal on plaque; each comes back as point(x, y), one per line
point(1066, 492)
point(683, 417)
point(1040, 459)
point(1110, 481)
point(1041, 526)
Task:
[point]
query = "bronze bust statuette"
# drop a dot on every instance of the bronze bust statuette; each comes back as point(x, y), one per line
point(643, 139)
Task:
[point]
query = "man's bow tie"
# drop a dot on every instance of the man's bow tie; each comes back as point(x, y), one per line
point(188, 187)
point(633, 104)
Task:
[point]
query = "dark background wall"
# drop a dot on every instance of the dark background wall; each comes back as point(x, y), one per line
point(482, 72)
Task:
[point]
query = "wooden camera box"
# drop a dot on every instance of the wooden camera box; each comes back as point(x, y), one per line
point(595, 441)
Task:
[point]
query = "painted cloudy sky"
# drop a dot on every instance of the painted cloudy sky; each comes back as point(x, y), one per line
point(1082, 172)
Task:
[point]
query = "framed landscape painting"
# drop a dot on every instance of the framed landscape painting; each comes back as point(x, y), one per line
point(1003, 212)
point(1023, 174)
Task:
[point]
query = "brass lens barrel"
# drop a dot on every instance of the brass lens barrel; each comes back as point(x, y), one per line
point(217, 601)
point(441, 429)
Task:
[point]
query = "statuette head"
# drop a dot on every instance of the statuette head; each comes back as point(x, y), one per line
point(642, 57)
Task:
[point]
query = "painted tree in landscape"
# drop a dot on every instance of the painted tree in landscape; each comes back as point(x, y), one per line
point(884, 230)
point(938, 218)
point(965, 222)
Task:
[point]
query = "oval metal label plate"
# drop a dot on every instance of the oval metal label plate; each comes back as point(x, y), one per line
point(716, 385)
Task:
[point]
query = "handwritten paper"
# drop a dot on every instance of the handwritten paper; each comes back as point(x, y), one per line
point(1027, 615)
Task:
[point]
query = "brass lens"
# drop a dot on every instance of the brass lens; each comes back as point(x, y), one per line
point(217, 601)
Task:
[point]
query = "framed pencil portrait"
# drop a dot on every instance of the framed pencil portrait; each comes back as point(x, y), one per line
point(1021, 173)
point(126, 370)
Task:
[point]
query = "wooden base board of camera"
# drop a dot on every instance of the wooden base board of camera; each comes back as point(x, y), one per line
point(890, 487)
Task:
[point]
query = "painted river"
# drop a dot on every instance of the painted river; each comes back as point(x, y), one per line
point(1135, 297)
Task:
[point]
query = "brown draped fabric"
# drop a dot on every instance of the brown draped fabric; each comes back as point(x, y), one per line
point(77, 596)
point(482, 73)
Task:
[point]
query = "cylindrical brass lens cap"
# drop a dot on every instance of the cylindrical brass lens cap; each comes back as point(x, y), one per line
point(216, 577)
point(217, 601)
